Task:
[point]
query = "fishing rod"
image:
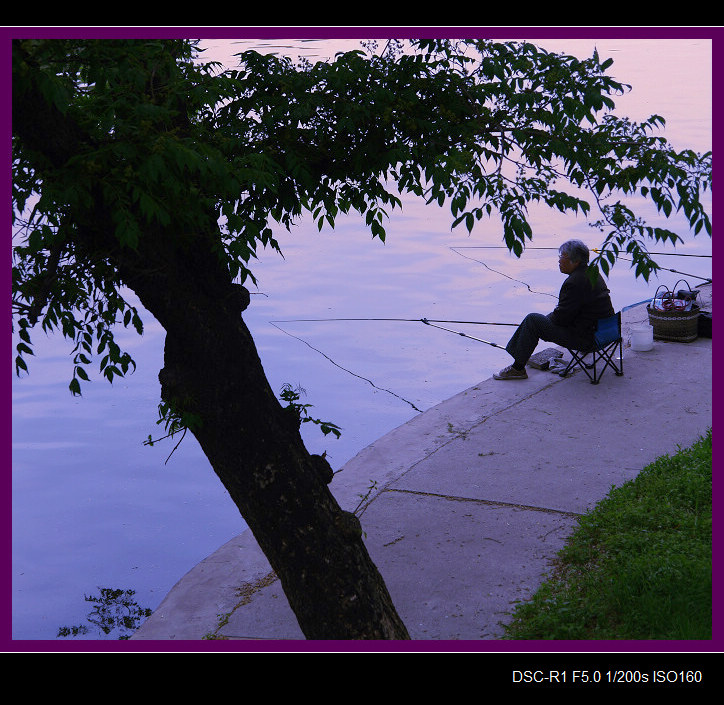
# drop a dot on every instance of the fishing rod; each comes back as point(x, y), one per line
point(623, 259)
point(432, 322)
point(675, 271)
point(504, 247)
point(406, 320)
point(465, 335)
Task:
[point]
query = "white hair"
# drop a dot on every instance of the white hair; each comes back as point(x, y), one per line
point(575, 250)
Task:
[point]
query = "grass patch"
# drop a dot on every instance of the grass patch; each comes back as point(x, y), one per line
point(638, 566)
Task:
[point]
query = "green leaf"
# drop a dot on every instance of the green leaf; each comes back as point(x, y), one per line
point(20, 365)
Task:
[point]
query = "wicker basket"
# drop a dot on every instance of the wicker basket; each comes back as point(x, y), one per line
point(675, 325)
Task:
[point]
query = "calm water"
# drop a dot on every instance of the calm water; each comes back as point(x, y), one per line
point(93, 507)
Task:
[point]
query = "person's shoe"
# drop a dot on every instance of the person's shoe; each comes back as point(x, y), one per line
point(510, 373)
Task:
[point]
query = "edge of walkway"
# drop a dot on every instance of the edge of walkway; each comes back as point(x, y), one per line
point(458, 544)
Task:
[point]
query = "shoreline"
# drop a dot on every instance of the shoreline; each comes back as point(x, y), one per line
point(233, 594)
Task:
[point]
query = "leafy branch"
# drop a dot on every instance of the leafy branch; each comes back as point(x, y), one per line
point(292, 396)
point(174, 421)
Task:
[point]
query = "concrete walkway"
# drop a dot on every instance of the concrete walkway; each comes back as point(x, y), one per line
point(473, 498)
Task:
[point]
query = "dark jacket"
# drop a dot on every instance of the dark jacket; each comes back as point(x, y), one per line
point(581, 304)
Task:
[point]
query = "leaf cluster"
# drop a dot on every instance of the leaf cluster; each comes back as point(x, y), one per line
point(150, 144)
point(291, 396)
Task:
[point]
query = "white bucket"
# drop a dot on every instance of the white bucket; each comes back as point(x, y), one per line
point(642, 338)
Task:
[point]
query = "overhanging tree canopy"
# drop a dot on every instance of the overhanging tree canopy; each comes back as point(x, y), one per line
point(489, 128)
point(136, 166)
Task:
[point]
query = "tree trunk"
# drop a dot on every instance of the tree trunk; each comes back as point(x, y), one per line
point(212, 370)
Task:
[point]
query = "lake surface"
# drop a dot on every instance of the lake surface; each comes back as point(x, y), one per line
point(93, 507)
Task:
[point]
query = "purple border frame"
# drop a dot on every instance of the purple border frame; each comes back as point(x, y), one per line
point(634, 650)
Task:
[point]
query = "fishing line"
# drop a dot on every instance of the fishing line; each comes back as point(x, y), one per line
point(427, 321)
point(479, 261)
point(354, 374)
point(623, 259)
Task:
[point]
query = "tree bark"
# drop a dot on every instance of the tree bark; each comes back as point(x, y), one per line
point(212, 370)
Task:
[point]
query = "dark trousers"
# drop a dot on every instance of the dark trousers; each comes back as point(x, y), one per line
point(534, 328)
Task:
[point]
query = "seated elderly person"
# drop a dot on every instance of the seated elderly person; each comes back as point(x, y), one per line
point(573, 321)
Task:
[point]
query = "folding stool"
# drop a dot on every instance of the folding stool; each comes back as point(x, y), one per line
point(608, 342)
